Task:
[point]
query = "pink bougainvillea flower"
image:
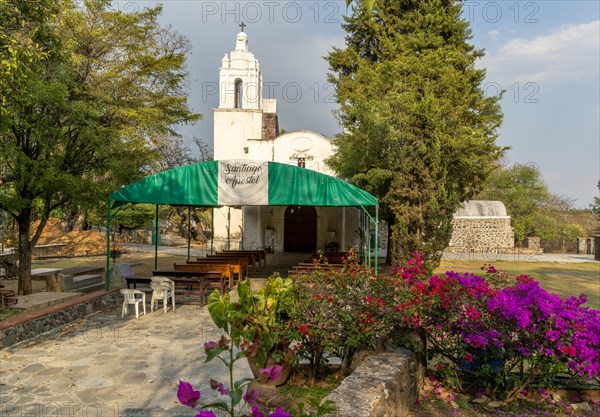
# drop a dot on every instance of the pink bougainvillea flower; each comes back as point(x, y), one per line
point(204, 413)
point(250, 396)
point(272, 372)
point(186, 394)
point(208, 346)
point(280, 412)
point(214, 385)
point(222, 390)
point(468, 357)
point(256, 412)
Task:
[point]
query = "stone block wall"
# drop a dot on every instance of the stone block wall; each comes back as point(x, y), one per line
point(385, 384)
point(270, 126)
point(479, 233)
point(30, 325)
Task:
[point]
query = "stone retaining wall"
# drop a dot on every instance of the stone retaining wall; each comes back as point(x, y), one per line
point(383, 385)
point(29, 325)
point(470, 233)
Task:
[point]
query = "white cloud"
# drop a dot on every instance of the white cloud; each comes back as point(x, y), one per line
point(493, 34)
point(571, 52)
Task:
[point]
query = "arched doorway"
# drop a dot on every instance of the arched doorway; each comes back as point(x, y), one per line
point(300, 229)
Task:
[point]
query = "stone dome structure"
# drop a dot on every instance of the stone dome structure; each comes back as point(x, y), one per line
point(481, 226)
point(481, 208)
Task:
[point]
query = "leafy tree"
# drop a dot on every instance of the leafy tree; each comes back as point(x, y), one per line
point(596, 206)
point(419, 132)
point(87, 95)
point(534, 210)
point(522, 189)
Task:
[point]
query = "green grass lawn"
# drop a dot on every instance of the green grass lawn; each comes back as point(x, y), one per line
point(565, 279)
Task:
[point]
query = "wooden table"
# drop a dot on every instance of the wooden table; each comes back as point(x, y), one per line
point(204, 280)
point(136, 280)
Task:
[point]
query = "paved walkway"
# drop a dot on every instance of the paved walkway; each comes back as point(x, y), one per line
point(108, 366)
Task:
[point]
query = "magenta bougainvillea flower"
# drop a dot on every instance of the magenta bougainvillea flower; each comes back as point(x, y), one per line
point(250, 396)
point(280, 412)
point(204, 413)
point(214, 385)
point(208, 346)
point(272, 372)
point(186, 394)
point(256, 412)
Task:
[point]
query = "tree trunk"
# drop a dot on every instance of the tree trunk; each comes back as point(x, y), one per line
point(24, 253)
point(345, 368)
point(391, 245)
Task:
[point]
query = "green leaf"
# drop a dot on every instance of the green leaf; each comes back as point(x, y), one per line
point(216, 308)
point(221, 405)
point(213, 353)
point(236, 396)
point(242, 382)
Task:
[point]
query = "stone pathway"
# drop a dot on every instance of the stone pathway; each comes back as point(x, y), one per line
point(106, 365)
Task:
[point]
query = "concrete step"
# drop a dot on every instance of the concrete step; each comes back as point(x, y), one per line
point(90, 288)
point(83, 281)
point(37, 301)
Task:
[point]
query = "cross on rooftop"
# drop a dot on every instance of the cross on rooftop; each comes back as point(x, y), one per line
point(242, 26)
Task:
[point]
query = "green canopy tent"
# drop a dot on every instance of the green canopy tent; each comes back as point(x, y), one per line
point(242, 183)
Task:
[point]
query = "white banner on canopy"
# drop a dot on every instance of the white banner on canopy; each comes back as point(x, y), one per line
point(243, 183)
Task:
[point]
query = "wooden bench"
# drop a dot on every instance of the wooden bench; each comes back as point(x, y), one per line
point(261, 255)
point(234, 266)
point(186, 281)
point(225, 269)
point(7, 298)
point(251, 258)
point(239, 260)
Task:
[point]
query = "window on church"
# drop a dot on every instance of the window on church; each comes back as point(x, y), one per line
point(238, 93)
point(302, 162)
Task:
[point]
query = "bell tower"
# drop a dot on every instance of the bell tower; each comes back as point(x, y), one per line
point(239, 117)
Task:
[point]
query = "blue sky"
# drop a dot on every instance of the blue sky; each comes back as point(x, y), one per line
point(544, 54)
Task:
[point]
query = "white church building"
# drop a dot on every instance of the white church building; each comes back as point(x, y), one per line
point(246, 128)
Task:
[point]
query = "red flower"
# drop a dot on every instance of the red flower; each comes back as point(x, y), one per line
point(303, 329)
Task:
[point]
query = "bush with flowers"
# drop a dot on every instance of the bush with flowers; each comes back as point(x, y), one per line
point(498, 332)
point(336, 313)
point(488, 331)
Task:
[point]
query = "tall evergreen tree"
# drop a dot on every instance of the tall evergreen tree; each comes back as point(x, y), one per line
point(86, 92)
point(419, 133)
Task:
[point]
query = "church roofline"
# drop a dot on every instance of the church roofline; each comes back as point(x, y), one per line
point(304, 131)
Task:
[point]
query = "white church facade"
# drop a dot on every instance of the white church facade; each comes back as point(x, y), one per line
point(246, 127)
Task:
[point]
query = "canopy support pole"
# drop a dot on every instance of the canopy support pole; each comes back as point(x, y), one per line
point(228, 228)
point(107, 271)
point(156, 239)
point(375, 222)
point(189, 232)
point(377, 239)
point(3, 226)
point(212, 228)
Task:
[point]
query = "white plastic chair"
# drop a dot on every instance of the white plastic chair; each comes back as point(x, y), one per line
point(162, 289)
point(129, 297)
